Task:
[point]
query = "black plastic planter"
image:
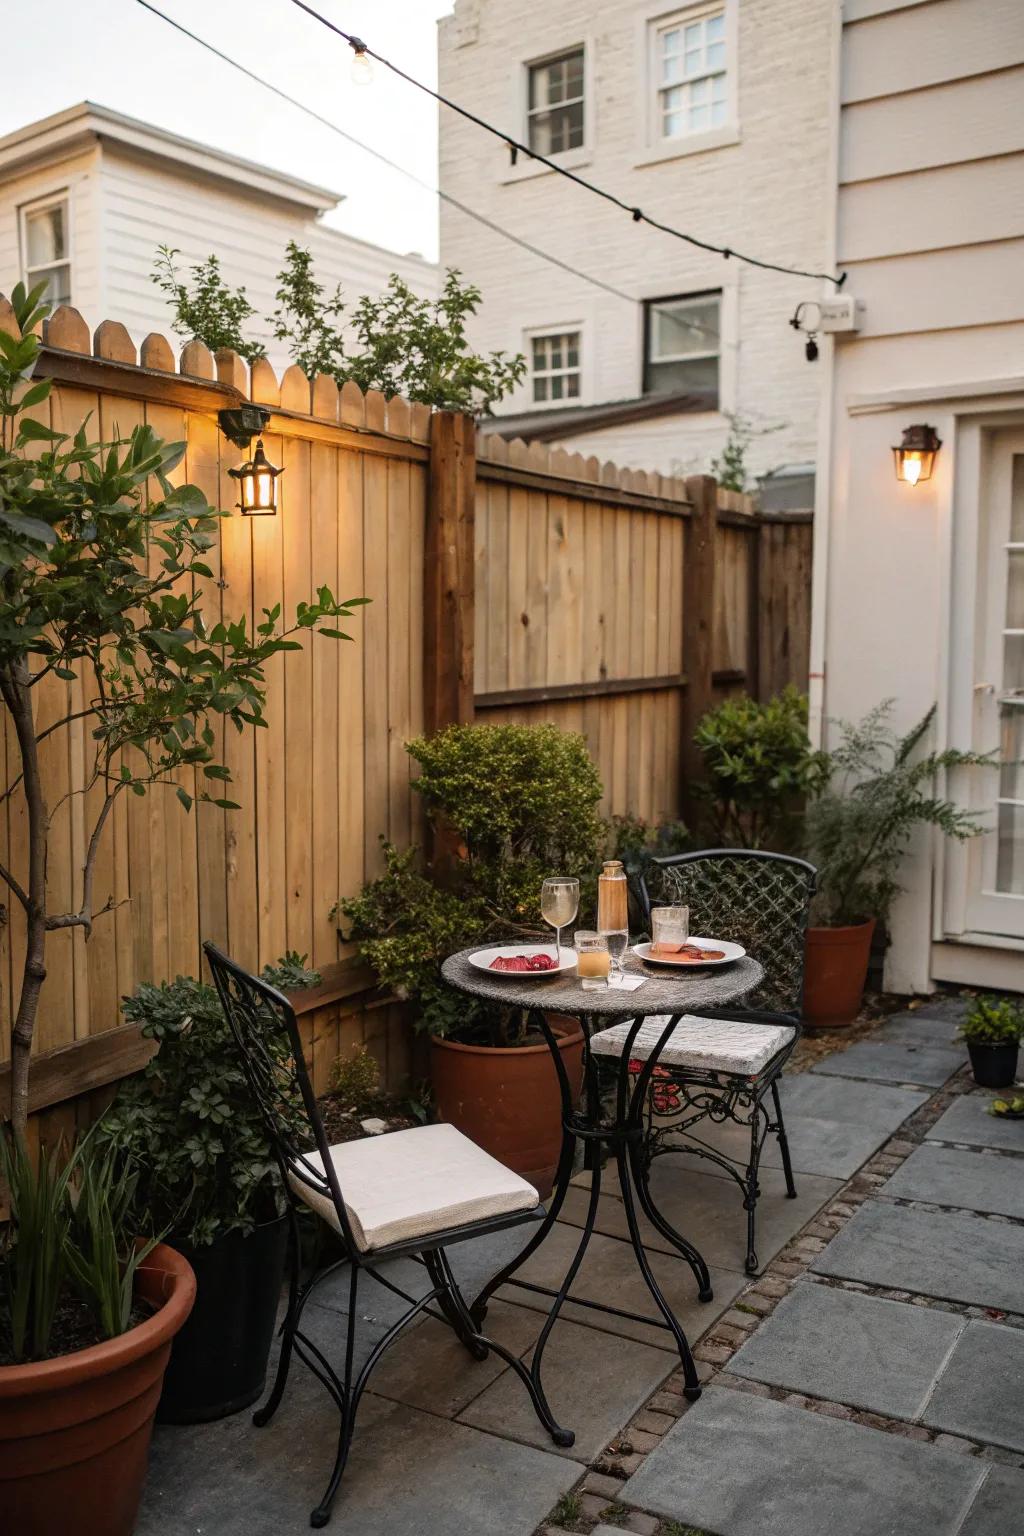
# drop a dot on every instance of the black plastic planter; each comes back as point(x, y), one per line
point(994, 1066)
point(218, 1364)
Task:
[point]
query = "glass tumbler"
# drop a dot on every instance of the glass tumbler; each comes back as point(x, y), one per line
point(593, 961)
point(670, 928)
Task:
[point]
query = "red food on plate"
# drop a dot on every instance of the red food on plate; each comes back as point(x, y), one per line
point(685, 954)
point(537, 962)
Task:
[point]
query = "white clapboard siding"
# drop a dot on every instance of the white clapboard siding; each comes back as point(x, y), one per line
point(959, 121)
point(932, 210)
point(941, 290)
point(78, 177)
point(925, 45)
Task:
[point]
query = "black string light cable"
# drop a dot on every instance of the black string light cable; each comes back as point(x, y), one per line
point(454, 202)
point(363, 50)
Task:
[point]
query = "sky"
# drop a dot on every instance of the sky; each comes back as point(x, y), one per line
point(116, 54)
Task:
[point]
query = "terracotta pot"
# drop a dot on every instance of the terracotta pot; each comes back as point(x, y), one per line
point(507, 1100)
point(74, 1432)
point(836, 967)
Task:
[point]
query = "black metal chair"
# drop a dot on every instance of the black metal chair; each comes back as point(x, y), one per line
point(410, 1193)
point(723, 1066)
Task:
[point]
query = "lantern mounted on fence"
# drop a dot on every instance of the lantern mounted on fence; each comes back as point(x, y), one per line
point(257, 477)
point(915, 455)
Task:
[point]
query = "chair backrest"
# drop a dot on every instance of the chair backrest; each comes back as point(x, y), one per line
point(267, 1035)
point(757, 899)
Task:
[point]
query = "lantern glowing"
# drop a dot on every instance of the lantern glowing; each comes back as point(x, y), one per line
point(915, 456)
point(257, 484)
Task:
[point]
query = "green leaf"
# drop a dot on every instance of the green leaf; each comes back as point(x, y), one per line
point(184, 797)
point(28, 527)
point(32, 431)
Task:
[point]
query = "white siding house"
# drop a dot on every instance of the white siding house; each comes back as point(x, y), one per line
point(919, 589)
point(710, 114)
point(87, 196)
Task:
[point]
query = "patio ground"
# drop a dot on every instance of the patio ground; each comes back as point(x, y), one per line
point(871, 1381)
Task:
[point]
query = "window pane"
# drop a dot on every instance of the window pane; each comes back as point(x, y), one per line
point(697, 376)
point(1011, 751)
point(715, 26)
point(45, 235)
point(1010, 858)
point(1015, 589)
point(716, 56)
point(1013, 664)
point(717, 114)
point(699, 117)
point(540, 389)
point(58, 283)
point(681, 328)
point(1017, 500)
point(572, 383)
point(699, 92)
point(556, 387)
point(692, 35)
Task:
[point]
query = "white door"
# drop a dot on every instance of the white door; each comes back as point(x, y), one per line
point(995, 897)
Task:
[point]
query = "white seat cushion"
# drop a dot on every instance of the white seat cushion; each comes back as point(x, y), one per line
point(408, 1184)
point(714, 1045)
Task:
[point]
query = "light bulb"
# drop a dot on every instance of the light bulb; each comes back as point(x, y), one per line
point(362, 69)
point(912, 468)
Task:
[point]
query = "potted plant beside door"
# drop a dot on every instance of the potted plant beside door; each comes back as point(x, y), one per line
point(992, 1031)
point(510, 805)
point(878, 791)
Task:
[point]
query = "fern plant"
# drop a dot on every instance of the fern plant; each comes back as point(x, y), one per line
point(879, 790)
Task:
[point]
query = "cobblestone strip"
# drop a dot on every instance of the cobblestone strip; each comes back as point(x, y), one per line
point(627, 1452)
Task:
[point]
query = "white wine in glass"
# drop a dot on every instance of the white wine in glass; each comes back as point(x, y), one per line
point(559, 903)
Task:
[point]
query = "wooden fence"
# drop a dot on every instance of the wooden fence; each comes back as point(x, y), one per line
point(521, 585)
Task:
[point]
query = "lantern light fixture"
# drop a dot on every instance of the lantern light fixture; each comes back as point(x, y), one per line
point(257, 477)
point(914, 457)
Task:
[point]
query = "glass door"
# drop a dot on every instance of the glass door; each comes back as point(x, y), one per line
point(996, 861)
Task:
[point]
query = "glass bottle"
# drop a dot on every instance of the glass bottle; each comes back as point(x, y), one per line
point(613, 911)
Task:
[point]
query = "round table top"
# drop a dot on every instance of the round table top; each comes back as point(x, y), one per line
point(663, 991)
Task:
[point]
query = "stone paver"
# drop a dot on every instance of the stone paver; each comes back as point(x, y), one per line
point(710, 1211)
point(748, 1466)
point(433, 1371)
point(967, 1120)
point(879, 1105)
point(594, 1382)
point(893, 1062)
point(609, 1274)
point(949, 1254)
point(975, 1181)
point(981, 1391)
point(884, 1356)
point(997, 1509)
point(921, 1029)
point(233, 1480)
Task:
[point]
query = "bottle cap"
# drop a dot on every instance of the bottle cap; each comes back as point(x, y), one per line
point(612, 866)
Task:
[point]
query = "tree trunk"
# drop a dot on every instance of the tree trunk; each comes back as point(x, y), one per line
point(17, 695)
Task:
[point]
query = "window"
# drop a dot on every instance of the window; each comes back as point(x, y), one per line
point(690, 74)
point(556, 366)
point(555, 104)
point(681, 345)
point(46, 250)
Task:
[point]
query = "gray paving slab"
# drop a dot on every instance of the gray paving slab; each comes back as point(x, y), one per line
point(748, 1466)
point(408, 1472)
point(967, 1120)
point(594, 1382)
point(980, 1394)
point(997, 1509)
point(710, 1211)
point(893, 1062)
point(609, 1274)
point(973, 1180)
point(884, 1356)
point(876, 1104)
point(428, 1368)
point(944, 1005)
point(922, 1029)
point(953, 1255)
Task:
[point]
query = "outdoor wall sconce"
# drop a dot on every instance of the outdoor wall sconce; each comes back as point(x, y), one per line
point(257, 477)
point(915, 456)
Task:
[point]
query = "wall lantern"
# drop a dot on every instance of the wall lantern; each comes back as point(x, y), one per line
point(257, 477)
point(915, 456)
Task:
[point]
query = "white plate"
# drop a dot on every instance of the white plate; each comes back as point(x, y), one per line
point(732, 952)
point(483, 957)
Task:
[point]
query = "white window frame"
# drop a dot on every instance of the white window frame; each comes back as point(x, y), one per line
point(653, 146)
point(539, 333)
point(519, 113)
point(57, 198)
point(695, 297)
point(582, 98)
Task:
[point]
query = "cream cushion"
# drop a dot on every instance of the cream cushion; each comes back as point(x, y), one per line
point(714, 1045)
point(409, 1184)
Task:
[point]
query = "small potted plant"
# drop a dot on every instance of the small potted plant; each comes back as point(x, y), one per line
point(204, 1172)
point(510, 804)
point(993, 1030)
point(87, 1315)
point(878, 790)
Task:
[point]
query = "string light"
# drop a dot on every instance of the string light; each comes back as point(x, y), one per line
point(515, 146)
point(362, 70)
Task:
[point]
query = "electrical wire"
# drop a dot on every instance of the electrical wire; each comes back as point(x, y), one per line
point(361, 48)
point(446, 197)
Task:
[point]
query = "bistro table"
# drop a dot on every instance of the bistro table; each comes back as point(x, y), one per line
point(664, 992)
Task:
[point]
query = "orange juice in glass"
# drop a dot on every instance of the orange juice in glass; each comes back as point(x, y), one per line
point(593, 961)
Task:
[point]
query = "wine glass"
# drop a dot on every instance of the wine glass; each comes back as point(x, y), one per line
point(559, 903)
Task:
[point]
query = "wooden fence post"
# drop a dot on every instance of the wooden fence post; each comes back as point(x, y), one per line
point(699, 561)
point(449, 558)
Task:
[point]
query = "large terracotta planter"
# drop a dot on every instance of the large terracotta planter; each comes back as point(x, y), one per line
point(74, 1432)
point(834, 975)
point(507, 1100)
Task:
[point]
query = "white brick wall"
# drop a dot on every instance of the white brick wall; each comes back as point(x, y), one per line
point(765, 193)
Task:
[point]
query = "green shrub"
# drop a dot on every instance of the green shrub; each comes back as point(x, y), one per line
point(993, 1021)
point(517, 803)
point(356, 1079)
point(877, 792)
point(758, 764)
point(188, 1123)
point(290, 973)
